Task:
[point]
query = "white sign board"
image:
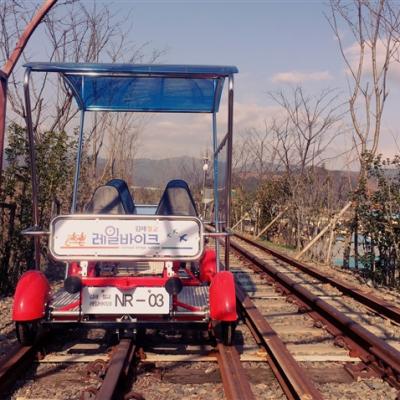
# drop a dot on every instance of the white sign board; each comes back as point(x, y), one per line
point(110, 300)
point(125, 237)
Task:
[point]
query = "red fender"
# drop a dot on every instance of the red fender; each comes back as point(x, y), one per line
point(31, 296)
point(208, 266)
point(223, 297)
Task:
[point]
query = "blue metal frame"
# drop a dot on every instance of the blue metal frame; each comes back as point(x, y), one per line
point(142, 87)
point(216, 74)
point(78, 164)
point(132, 69)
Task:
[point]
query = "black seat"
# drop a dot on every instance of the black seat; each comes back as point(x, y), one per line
point(177, 200)
point(112, 198)
point(125, 194)
point(105, 200)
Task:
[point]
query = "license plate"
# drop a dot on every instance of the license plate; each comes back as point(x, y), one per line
point(111, 300)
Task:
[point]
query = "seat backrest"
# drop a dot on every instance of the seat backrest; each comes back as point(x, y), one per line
point(105, 200)
point(177, 200)
point(125, 194)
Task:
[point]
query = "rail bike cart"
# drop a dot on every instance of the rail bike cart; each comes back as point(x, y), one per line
point(126, 270)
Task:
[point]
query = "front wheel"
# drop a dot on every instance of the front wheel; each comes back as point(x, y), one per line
point(228, 332)
point(26, 332)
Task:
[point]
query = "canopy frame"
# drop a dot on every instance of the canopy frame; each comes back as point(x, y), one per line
point(218, 74)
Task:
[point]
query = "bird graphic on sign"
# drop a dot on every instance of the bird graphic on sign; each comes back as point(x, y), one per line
point(174, 232)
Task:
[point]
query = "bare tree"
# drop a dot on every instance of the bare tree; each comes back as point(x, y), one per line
point(308, 126)
point(192, 171)
point(122, 131)
point(77, 32)
point(287, 159)
point(374, 28)
point(80, 32)
point(260, 148)
point(306, 132)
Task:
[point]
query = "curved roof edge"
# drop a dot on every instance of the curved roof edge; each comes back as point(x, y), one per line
point(146, 69)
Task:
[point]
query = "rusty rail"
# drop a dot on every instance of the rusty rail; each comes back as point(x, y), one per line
point(294, 381)
point(375, 303)
point(119, 367)
point(234, 378)
point(292, 378)
point(15, 364)
point(373, 351)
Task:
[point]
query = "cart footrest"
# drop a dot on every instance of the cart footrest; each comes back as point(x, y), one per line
point(195, 296)
point(62, 299)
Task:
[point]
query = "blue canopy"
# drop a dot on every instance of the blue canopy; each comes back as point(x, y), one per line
point(143, 88)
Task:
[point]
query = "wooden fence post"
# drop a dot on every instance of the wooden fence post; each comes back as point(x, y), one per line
point(263, 230)
point(332, 224)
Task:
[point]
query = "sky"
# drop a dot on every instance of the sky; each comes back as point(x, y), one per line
point(276, 45)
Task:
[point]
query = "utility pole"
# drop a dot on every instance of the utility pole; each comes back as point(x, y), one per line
point(205, 170)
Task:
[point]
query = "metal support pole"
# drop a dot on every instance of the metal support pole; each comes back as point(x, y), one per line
point(78, 165)
point(228, 193)
point(32, 158)
point(3, 103)
point(205, 169)
point(216, 202)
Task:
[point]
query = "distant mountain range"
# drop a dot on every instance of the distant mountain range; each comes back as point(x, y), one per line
point(155, 173)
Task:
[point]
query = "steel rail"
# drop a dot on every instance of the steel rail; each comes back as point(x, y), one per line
point(234, 379)
point(14, 364)
point(294, 381)
point(18, 359)
point(119, 366)
point(370, 300)
point(373, 351)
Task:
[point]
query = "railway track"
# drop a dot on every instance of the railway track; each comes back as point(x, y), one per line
point(379, 305)
point(234, 379)
point(293, 380)
point(88, 370)
point(286, 346)
point(13, 364)
point(298, 304)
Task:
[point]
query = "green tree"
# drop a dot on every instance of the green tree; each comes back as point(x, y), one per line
point(55, 158)
point(379, 219)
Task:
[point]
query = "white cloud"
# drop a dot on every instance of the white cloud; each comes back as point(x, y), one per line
point(299, 77)
point(171, 135)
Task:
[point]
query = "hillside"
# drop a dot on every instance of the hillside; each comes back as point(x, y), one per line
point(155, 173)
